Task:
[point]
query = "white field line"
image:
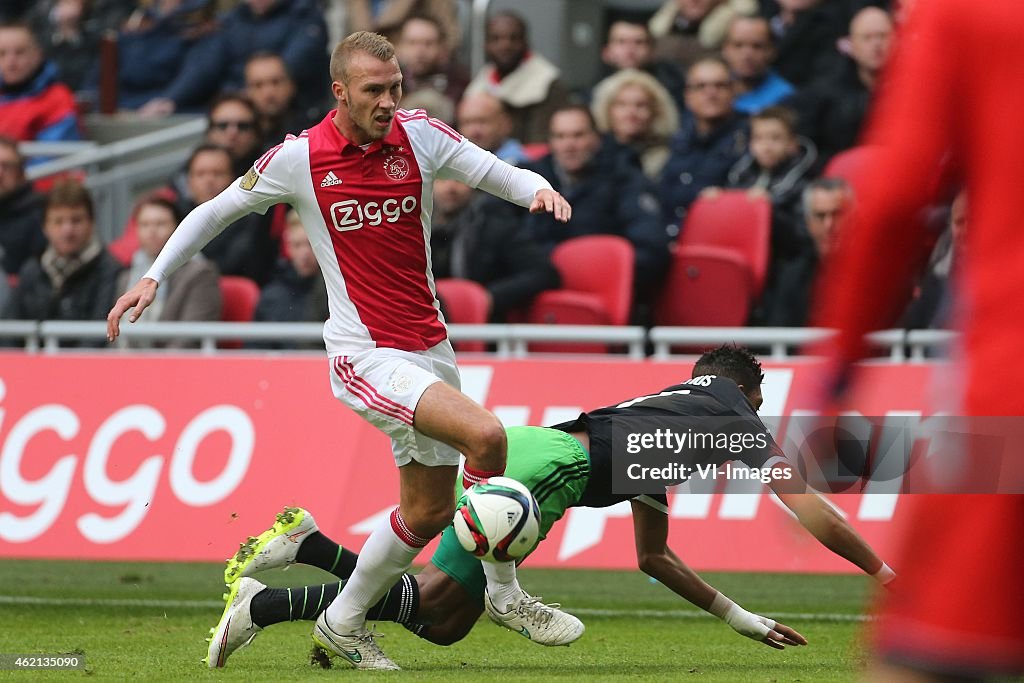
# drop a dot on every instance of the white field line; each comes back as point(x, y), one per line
point(581, 611)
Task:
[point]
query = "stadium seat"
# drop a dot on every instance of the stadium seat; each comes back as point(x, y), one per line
point(733, 220)
point(597, 288)
point(465, 302)
point(240, 296)
point(850, 164)
point(706, 287)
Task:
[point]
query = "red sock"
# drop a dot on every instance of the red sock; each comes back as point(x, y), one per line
point(471, 476)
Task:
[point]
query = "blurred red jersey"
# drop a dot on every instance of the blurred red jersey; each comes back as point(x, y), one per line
point(950, 106)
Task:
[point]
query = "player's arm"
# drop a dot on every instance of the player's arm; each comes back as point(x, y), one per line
point(656, 559)
point(479, 168)
point(252, 192)
point(830, 528)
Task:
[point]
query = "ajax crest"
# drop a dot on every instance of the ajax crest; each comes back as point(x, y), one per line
point(396, 168)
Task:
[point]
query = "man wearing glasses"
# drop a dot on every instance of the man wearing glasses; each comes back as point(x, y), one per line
point(712, 137)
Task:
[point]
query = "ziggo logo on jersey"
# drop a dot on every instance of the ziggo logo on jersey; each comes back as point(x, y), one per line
point(352, 214)
point(50, 491)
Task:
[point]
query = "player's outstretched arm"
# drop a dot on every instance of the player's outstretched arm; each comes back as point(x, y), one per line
point(140, 296)
point(656, 559)
point(832, 530)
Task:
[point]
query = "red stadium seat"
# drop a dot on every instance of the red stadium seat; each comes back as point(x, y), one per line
point(597, 288)
point(464, 302)
point(706, 286)
point(240, 296)
point(850, 164)
point(733, 220)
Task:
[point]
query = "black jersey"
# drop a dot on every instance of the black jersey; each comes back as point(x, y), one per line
point(707, 396)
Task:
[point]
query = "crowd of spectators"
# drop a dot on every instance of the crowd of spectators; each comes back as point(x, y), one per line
point(700, 97)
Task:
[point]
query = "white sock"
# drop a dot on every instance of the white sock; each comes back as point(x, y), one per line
point(502, 585)
point(386, 555)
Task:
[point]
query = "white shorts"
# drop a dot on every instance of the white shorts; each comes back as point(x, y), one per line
point(384, 386)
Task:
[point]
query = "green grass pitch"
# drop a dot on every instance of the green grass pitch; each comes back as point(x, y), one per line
point(149, 621)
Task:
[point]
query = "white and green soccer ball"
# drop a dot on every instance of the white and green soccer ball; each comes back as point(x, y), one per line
point(497, 520)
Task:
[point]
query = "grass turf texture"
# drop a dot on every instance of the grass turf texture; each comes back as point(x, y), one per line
point(150, 620)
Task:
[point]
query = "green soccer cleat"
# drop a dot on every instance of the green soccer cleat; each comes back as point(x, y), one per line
point(235, 628)
point(275, 547)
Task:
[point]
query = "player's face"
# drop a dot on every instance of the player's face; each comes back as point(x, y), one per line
point(771, 143)
point(269, 86)
point(574, 142)
point(155, 224)
point(629, 46)
point(631, 113)
point(68, 229)
point(748, 48)
point(755, 398)
point(367, 102)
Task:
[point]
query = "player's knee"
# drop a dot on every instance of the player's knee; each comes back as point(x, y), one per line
point(488, 441)
point(448, 632)
point(430, 518)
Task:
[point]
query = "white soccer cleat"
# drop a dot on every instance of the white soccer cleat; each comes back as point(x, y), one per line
point(359, 651)
point(275, 547)
point(532, 619)
point(235, 628)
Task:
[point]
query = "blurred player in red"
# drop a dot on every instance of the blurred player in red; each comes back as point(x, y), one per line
point(949, 109)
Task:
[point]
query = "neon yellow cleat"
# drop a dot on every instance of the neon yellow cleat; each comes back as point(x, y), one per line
point(275, 547)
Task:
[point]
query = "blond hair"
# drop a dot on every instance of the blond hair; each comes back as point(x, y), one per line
point(665, 121)
point(361, 41)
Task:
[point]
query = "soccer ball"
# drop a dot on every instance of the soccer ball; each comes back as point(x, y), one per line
point(497, 520)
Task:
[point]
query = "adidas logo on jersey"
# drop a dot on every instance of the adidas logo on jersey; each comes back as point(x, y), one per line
point(330, 179)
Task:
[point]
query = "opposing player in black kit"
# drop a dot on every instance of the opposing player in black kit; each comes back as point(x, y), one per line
point(568, 465)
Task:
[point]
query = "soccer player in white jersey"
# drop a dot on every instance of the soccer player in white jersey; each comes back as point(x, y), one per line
point(361, 181)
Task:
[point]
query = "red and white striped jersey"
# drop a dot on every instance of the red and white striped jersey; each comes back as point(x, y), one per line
point(367, 213)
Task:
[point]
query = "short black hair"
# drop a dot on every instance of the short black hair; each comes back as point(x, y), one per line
point(732, 361)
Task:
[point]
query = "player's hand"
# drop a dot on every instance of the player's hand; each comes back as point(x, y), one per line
point(781, 635)
point(549, 201)
point(140, 296)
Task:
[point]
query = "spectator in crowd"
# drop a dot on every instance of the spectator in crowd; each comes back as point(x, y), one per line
point(388, 16)
point(21, 211)
point(748, 50)
point(686, 30)
point(270, 88)
point(530, 86)
point(631, 46)
point(426, 61)
point(932, 304)
point(805, 32)
point(638, 113)
point(74, 278)
point(777, 165)
point(191, 292)
point(476, 238)
point(296, 293)
point(34, 105)
point(485, 121)
point(70, 32)
point(294, 29)
point(234, 124)
point(711, 139)
point(833, 108)
point(167, 57)
point(607, 192)
point(246, 247)
point(786, 301)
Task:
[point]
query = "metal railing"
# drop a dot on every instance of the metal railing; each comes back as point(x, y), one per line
point(508, 341)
